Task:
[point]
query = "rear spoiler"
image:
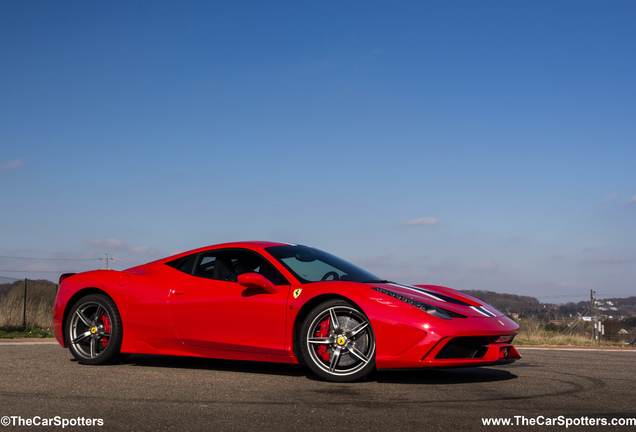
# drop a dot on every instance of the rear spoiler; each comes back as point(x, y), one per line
point(64, 276)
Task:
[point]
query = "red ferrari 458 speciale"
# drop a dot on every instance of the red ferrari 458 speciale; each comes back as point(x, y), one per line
point(276, 302)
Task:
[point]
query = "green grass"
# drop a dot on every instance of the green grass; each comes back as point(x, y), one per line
point(533, 332)
point(14, 333)
point(561, 339)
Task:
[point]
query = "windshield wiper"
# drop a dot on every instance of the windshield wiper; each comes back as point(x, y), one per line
point(377, 281)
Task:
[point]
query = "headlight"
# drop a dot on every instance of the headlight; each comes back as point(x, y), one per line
point(430, 309)
point(505, 339)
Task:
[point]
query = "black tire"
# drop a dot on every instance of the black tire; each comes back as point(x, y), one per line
point(351, 356)
point(85, 330)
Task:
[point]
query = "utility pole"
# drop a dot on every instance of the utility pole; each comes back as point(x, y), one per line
point(24, 305)
point(593, 313)
point(107, 260)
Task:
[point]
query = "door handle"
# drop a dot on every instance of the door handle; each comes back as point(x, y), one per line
point(174, 292)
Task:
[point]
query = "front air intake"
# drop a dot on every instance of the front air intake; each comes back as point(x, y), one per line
point(466, 347)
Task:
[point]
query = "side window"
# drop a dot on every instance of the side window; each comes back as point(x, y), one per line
point(215, 265)
point(248, 262)
point(227, 264)
point(184, 264)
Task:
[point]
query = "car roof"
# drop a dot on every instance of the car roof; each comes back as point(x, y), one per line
point(250, 244)
point(253, 243)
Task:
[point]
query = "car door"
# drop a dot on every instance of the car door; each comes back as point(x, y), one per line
point(215, 316)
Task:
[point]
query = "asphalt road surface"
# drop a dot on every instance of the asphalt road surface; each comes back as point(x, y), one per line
point(165, 393)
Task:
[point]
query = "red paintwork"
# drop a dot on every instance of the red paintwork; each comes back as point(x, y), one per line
point(165, 311)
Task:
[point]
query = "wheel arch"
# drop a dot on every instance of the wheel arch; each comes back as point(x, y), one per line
point(306, 308)
point(83, 292)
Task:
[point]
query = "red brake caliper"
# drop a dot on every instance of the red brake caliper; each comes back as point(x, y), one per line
point(106, 323)
point(323, 331)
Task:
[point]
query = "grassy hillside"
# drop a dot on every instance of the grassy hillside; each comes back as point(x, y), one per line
point(7, 280)
point(509, 303)
point(39, 306)
point(527, 306)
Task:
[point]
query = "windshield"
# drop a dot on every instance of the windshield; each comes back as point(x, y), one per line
point(313, 265)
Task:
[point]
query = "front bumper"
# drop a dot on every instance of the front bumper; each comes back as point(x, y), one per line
point(462, 342)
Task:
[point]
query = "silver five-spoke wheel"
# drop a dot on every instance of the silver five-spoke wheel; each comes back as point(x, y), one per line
point(90, 329)
point(93, 329)
point(339, 341)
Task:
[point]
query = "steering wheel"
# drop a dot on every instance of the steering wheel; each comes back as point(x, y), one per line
point(332, 274)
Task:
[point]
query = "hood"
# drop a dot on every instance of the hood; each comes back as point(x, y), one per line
point(443, 297)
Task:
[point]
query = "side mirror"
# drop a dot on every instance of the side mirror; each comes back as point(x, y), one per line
point(255, 280)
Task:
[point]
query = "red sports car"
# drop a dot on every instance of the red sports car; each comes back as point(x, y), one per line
point(276, 302)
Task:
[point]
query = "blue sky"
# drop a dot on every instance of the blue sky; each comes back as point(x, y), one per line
point(481, 145)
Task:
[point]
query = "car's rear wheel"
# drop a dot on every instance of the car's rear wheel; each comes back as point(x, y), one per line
point(94, 330)
point(337, 342)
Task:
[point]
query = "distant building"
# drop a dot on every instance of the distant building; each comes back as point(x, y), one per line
point(557, 322)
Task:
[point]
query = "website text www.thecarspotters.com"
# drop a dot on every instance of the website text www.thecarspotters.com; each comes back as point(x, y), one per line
point(562, 421)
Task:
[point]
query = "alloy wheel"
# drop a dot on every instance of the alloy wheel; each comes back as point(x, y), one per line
point(90, 330)
point(340, 341)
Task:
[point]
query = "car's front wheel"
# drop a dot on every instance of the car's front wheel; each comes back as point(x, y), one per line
point(337, 342)
point(94, 330)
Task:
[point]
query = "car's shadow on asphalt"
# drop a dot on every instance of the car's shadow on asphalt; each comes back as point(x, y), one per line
point(213, 364)
point(397, 376)
point(443, 376)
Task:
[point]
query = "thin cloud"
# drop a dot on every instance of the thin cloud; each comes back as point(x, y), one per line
point(632, 200)
point(424, 220)
point(608, 261)
point(115, 245)
point(612, 196)
point(11, 165)
point(109, 243)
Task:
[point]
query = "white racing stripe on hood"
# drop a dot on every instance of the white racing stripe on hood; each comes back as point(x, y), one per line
point(482, 310)
point(488, 310)
point(419, 291)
